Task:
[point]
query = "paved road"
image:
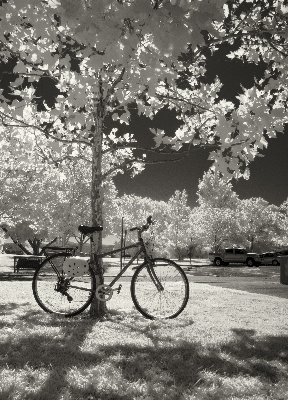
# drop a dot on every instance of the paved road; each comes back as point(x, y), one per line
point(260, 285)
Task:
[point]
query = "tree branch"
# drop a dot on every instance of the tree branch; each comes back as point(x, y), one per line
point(113, 86)
point(23, 124)
point(180, 156)
point(34, 66)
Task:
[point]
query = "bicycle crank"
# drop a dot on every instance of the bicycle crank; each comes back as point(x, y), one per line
point(104, 292)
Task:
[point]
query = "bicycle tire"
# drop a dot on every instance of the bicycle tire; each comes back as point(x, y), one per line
point(52, 288)
point(166, 304)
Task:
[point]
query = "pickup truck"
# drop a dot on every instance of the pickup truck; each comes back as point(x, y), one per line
point(235, 256)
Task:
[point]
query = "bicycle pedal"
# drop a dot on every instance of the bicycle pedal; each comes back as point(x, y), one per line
point(119, 289)
point(69, 298)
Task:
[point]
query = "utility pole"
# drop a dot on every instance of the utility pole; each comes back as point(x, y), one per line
point(122, 240)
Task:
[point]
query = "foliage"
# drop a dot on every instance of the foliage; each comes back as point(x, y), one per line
point(216, 192)
point(2, 240)
point(66, 45)
point(283, 239)
point(258, 221)
point(215, 228)
point(54, 198)
point(16, 175)
point(177, 225)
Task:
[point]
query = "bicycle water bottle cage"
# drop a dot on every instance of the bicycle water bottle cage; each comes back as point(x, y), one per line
point(86, 230)
point(76, 266)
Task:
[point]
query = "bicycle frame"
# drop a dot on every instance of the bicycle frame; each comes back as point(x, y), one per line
point(142, 250)
point(66, 285)
point(130, 262)
point(147, 259)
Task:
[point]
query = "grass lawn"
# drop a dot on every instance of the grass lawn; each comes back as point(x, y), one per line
point(227, 344)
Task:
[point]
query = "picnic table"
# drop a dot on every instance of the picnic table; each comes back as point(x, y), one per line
point(26, 262)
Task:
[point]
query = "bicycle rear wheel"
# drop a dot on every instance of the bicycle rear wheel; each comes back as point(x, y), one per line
point(58, 293)
point(154, 303)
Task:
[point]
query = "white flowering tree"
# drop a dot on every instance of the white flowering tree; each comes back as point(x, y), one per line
point(216, 228)
point(177, 225)
point(258, 222)
point(283, 210)
point(216, 192)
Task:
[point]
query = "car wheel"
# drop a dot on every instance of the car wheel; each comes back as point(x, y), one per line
point(250, 262)
point(218, 262)
point(275, 262)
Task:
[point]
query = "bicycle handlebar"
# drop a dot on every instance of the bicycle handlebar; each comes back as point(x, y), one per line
point(144, 227)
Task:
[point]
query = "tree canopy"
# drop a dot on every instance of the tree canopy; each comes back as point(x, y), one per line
point(99, 57)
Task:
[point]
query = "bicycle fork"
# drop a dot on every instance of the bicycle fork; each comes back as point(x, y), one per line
point(153, 276)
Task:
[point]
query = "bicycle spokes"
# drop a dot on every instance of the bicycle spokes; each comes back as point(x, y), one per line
point(56, 292)
point(153, 302)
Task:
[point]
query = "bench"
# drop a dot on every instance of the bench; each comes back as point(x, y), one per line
point(27, 262)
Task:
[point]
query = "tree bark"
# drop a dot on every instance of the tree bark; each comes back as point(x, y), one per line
point(252, 245)
point(35, 244)
point(98, 308)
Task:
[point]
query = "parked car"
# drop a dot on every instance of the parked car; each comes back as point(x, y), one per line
point(269, 258)
point(282, 253)
point(234, 256)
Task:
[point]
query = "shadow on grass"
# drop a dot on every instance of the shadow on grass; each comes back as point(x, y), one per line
point(10, 308)
point(165, 368)
point(13, 277)
point(179, 365)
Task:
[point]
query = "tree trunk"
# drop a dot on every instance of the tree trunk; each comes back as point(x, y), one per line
point(98, 308)
point(252, 245)
point(35, 244)
point(16, 241)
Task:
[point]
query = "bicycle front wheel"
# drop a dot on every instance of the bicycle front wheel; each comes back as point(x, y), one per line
point(58, 293)
point(167, 302)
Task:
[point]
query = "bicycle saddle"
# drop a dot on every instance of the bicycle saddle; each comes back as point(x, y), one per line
point(85, 230)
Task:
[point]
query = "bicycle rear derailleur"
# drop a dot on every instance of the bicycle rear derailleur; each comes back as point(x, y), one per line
point(105, 292)
point(62, 286)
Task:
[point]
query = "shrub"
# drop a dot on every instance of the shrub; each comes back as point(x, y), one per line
point(12, 248)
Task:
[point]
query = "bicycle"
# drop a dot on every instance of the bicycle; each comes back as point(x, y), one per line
point(67, 285)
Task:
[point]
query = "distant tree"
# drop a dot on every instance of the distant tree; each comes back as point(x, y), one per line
point(177, 223)
point(257, 221)
point(216, 192)
point(282, 239)
point(16, 175)
point(2, 240)
point(215, 227)
point(195, 231)
point(24, 231)
point(134, 210)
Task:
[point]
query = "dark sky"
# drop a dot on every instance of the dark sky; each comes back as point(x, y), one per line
point(268, 177)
